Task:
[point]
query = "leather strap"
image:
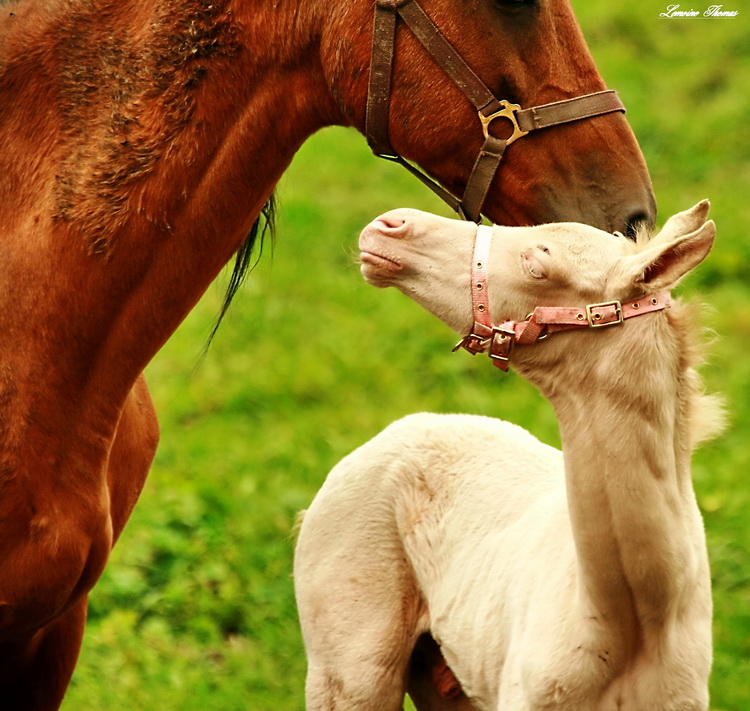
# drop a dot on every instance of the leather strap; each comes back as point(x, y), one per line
point(580, 107)
point(546, 320)
point(436, 188)
point(450, 61)
point(536, 117)
point(608, 313)
point(484, 101)
point(378, 97)
point(479, 292)
point(476, 341)
point(379, 89)
point(482, 174)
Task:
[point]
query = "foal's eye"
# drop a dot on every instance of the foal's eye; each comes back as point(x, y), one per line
point(543, 248)
point(533, 265)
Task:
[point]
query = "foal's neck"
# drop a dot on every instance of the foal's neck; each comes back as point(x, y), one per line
point(632, 507)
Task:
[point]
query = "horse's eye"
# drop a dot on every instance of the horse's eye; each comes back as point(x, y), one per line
point(513, 3)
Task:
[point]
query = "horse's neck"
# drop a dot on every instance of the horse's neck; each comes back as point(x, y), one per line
point(140, 148)
point(632, 507)
point(155, 152)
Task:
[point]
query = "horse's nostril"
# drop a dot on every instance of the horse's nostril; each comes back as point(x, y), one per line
point(635, 222)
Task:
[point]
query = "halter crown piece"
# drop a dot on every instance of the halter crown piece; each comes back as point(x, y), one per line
point(488, 107)
point(498, 341)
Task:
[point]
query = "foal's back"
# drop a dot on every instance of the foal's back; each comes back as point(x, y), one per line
point(432, 526)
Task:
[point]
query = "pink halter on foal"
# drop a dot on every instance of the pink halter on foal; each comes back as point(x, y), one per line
point(499, 341)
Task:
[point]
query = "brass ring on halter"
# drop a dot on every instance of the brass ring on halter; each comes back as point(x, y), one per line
point(507, 112)
point(544, 334)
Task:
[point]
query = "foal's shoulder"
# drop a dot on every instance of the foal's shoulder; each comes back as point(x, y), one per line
point(433, 428)
point(471, 443)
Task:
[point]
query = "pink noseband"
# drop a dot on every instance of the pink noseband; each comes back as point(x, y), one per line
point(499, 341)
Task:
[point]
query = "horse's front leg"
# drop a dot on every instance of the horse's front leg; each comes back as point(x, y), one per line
point(35, 671)
point(35, 668)
point(132, 452)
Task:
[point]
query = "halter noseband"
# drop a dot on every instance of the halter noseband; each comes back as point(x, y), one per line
point(488, 107)
point(498, 341)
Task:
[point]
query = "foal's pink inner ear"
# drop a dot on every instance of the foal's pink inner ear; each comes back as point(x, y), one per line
point(664, 266)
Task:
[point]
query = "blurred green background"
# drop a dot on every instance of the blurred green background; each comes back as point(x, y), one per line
point(196, 609)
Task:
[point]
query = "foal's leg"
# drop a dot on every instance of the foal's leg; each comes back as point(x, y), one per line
point(358, 632)
point(365, 672)
point(360, 614)
point(35, 673)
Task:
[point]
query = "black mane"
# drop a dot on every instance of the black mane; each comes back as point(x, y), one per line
point(243, 258)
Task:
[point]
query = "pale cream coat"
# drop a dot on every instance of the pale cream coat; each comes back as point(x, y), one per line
point(574, 580)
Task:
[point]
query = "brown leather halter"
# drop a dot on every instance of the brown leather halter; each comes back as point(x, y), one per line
point(488, 107)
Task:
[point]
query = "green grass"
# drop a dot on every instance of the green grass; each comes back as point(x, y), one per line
point(196, 609)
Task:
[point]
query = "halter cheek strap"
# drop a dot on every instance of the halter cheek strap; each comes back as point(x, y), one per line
point(476, 341)
point(499, 341)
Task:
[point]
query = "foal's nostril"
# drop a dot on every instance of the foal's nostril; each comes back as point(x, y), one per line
point(391, 221)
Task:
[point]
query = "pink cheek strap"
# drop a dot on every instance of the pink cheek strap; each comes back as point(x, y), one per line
point(476, 341)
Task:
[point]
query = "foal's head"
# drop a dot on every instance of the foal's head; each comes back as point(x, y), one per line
point(429, 258)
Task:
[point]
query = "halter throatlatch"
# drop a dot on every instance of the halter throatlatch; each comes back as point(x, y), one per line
point(488, 107)
point(498, 341)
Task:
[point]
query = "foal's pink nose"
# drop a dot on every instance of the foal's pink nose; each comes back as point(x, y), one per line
point(391, 221)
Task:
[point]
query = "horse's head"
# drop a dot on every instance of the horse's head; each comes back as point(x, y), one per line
point(529, 52)
point(520, 269)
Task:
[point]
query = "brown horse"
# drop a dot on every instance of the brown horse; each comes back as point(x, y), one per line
point(139, 142)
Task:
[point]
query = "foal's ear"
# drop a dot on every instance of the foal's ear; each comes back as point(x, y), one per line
point(663, 265)
point(684, 222)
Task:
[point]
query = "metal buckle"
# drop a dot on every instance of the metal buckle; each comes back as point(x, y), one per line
point(506, 342)
point(465, 343)
point(508, 112)
point(594, 319)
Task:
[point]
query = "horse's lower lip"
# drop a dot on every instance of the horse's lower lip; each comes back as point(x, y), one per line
point(379, 261)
